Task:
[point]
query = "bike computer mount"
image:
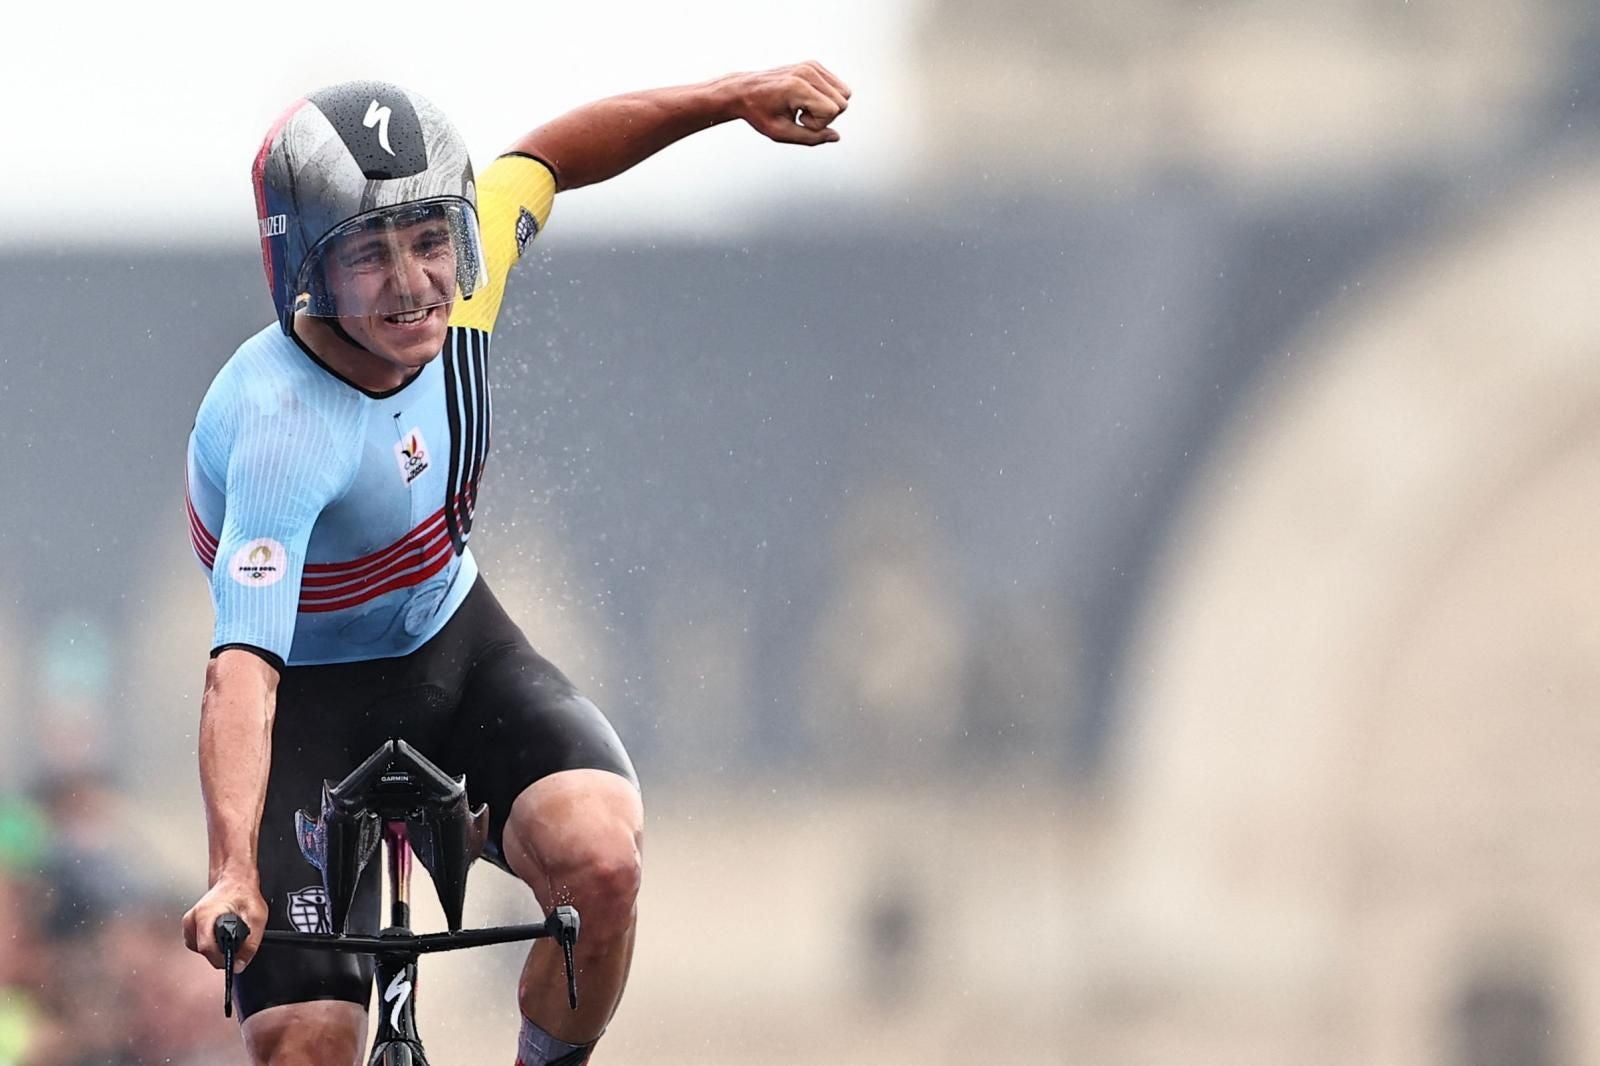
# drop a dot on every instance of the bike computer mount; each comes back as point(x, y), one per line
point(400, 798)
point(396, 785)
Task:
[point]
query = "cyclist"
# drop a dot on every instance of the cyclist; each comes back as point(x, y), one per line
point(332, 474)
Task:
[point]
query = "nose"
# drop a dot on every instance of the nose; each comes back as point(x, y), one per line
point(417, 281)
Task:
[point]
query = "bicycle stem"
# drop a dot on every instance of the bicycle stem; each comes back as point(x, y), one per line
point(398, 852)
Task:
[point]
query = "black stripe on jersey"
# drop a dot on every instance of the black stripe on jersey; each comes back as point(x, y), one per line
point(469, 432)
point(481, 455)
point(467, 397)
point(266, 656)
point(551, 167)
point(452, 410)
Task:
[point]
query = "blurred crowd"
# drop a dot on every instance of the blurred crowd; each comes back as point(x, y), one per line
point(93, 970)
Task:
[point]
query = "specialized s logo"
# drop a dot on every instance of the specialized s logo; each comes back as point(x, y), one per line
point(411, 452)
point(378, 115)
point(399, 990)
point(261, 562)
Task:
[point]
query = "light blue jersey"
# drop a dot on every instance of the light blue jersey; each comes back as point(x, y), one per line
point(334, 522)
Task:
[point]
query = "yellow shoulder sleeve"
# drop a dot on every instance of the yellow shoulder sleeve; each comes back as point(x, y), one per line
point(514, 198)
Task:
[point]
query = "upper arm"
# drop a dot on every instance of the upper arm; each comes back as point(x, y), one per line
point(238, 672)
point(283, 467)
point(515, 194)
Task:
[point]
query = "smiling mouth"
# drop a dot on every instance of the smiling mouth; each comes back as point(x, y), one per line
point(408, 318)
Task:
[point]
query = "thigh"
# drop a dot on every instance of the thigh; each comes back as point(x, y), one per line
point(311, 743)
point(519, 721)
point(330, 718)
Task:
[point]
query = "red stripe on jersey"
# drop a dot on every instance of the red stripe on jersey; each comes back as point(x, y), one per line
point(195, 525)
point(421, 537)
point(409, 561)
point(328, 588)
point(200, 538)
point(437, 562)
point(323, 575)
point(423, 531)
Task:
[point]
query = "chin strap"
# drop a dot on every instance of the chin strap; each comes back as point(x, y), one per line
point(344, 335)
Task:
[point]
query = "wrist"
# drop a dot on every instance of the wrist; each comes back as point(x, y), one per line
point(235, 871)
point(726, 98)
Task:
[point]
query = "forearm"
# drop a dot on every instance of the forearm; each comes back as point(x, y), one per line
point(600, 140)
point(235, 755)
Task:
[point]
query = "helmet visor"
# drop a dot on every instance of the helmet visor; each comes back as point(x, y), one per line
point(394, 260)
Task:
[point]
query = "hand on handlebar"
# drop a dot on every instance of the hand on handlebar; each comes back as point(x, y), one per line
point(227, 896)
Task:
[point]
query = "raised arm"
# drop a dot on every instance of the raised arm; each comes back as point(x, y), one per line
point(795, 104)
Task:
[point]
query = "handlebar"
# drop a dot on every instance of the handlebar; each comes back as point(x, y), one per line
point(398, 788)
point(562, 926)
point(231, 933)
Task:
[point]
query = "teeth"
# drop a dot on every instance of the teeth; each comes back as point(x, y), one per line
point(408, 317)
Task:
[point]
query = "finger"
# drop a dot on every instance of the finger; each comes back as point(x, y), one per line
point(810, 121)
point(833, 80)
point(793, 133)
point(786, 128)
point(821, 109)
point(189, 940)
point(840, 101)
point(206, 941)
point(815, 80)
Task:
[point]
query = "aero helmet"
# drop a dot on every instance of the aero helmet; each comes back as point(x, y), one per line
point(370, 160)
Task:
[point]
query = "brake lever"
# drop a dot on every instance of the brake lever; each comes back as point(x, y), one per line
point(231, 933)
point(563, 925)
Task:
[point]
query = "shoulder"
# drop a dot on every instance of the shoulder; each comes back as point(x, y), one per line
point(260, 371)
point(515, 194)
point(270, 395)
point(517, 180)
point(270, 376)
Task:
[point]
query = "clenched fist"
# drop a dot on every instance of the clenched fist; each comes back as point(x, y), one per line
point(795, 104)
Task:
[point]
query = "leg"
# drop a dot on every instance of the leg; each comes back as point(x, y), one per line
point(326, 1032)
point(301, 1007)
point(564, 814)
point(575, 837)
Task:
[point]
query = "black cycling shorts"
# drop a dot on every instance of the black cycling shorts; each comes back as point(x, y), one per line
point(477, 700)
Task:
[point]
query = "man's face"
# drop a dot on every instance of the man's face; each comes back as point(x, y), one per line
point(388, 271)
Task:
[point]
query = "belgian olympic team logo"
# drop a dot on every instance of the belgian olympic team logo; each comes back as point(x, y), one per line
point(412, 454)
point(261, 562)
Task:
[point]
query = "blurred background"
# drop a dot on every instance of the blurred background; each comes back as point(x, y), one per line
point(1098, 566)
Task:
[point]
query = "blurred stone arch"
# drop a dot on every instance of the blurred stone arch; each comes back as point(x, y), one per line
point(1362, 717)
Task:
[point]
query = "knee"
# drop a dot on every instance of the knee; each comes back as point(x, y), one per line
point(580, 841)
point(306, 1034)
point(601, 874)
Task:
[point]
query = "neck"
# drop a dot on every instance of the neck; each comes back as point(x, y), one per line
point(365, 369)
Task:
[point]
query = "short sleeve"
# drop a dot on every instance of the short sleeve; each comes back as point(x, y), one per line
point(282, 469)
point(515, 195)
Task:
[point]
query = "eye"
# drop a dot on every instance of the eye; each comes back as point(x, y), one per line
point(364, 260)
point(433, 245)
